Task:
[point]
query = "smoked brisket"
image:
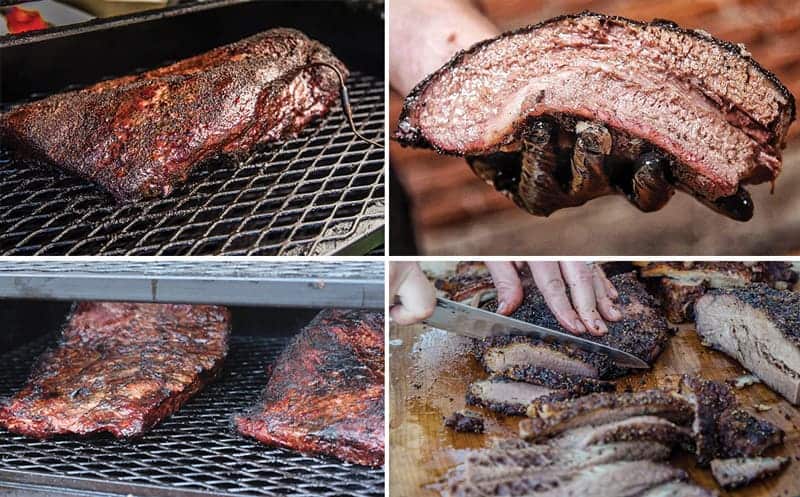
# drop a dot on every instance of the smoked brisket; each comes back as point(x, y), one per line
point(140, 136)
point(325, 392)
point(585, 105)
point(119, 368)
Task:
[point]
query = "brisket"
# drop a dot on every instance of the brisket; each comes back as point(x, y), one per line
point(119, 368)
point(547, 419)
point(325, 391)
point(758, 326)
point(678, 489)
point(512, 398)
point(140, 136)
point(642, 331)
point(735, 473)
point(637, 428)
point(586, 105)
point(556, 380)
point(680, 284)
point(709, 399)
point(465, 421)
point(743, 435)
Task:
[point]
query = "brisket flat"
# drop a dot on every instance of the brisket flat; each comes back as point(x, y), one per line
point(119, 368)
point(735, 473)
point(743, 435)
point(642, 331)
point(140, 136)
point(325, 391)
point(758, 326)
point(585, 105)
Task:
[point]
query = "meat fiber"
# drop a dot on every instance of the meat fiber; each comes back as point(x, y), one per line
point(735, 473)
point(548, 419)
point(140, 136)
point(585, 105)
point(758, 326)
point(119, 368)
point(325, 392)
point(680, 284)
point(743, 435)
point(643, 332)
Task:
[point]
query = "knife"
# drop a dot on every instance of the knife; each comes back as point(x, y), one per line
point(478, 323)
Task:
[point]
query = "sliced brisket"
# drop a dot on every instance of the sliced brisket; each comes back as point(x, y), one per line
point(743, 435)
point(140, 136)
point(735, 473)
point(643, 332)
point(325, 392)
point(710, 399)
point(119, 368)
point(548, 419)
point(465, 421)
point(758, 326)
point(637, 428)
point(538, 111)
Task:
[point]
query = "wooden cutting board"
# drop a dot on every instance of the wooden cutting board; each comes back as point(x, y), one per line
point(430, 371)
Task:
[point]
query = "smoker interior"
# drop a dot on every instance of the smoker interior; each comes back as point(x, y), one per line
point(320, 193)
point(194, 452)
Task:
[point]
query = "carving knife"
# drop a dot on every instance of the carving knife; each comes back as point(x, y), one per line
point(478, 323)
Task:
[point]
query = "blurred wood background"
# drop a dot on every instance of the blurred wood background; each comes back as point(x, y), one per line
point(454, 213)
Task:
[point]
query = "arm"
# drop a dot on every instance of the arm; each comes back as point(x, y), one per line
point(425, 34)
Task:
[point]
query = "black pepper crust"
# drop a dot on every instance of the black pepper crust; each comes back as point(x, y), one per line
point(643, 331)
point(465, 421)
point(743, 435)
point(780, 305)
point(710, 399)
point(556, 380)
point(408, 135)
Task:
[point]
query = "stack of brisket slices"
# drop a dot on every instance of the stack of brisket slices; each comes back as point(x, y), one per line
point(577, 431)
point(121, 368)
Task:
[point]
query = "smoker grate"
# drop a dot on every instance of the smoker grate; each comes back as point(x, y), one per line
point(194, 452)
point(319, 193)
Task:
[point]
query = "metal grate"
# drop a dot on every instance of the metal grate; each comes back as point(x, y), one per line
point(319, 193)
point(194, 452)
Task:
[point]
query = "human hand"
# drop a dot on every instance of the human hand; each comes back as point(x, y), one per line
point(416, 296)
point(591, 292)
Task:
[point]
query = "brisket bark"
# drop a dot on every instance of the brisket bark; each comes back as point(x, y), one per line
point(325, 391)
point(743, 435)
point(585, 105)
point(140, 136)
point(465, 421)
point(120, 368)
point(512, 398)
point(642, 331)
point(710, 399)
point(758, 326)
point(637, 428)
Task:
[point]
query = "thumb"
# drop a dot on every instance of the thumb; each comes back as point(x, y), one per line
point(509, 288)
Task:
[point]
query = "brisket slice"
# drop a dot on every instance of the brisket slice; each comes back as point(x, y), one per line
point(643, 332)
point(556, 380)
point(680, 284)
point(678, 106)
point(119, 368)
point(512, 398)
point(140, 136)
point(637, 428)
point(743, 435)
point(548, 419)
point(758, 326)
point(679, 489)
point(325, 392)
point(710, 399)
point(735, 473)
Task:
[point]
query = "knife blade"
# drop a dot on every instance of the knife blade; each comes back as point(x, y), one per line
point(478, 323)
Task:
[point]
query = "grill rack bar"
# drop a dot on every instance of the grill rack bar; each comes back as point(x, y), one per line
point(195, 452)
point(240, 282)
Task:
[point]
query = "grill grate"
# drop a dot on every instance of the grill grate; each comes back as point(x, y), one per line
point(194, 452)
point(319, 193)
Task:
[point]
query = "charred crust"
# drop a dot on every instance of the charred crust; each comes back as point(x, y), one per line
point(556, 380)
point(417, 140)
point(465, 421)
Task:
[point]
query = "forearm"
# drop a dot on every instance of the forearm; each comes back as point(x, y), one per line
point(426, 33)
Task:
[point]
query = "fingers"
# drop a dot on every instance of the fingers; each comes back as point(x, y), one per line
point(580, 278)
point(408, 284)
point(509, 288)
point(650, 190)
point(605, 304)
point(547, 276)
point(592, 144)
point(539, 191)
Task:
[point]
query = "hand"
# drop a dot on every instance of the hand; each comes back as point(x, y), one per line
point(592, 293)
point(408, 284)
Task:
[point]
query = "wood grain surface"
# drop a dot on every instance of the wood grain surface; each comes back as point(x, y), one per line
point(430, 371)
